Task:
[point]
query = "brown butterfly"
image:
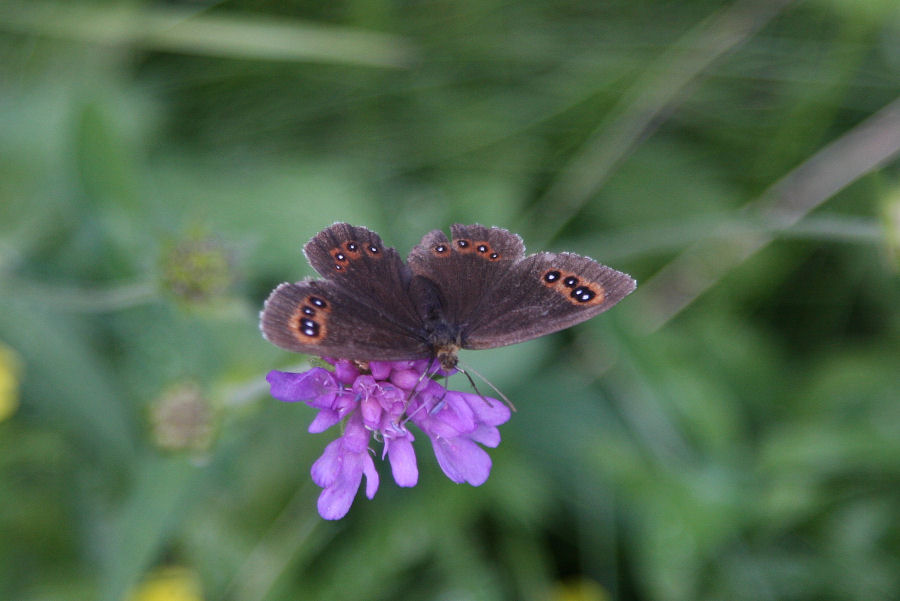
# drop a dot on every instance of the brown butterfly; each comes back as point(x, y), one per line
point(476, 290)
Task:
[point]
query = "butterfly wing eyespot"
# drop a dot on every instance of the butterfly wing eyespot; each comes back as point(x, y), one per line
point(585, 294)
point(340, 257)
point(487, 251)
point(571, 286)
point(349, 246)
point(463, 246)
point(293, 318)
point(569, 283)
point(345, 253)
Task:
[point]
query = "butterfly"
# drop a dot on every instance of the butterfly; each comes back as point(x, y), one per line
point(474, 290)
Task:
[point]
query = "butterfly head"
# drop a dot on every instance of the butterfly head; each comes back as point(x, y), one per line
point(446, 355)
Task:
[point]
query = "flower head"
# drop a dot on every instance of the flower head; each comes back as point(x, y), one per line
point(197, 268)
point(183, 419)
point(381, 400)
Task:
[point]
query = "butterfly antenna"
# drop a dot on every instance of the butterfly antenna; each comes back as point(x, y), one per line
point(415, 388)
point(488, 382)
point(413, 392)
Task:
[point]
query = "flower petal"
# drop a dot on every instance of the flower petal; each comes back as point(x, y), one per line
point(316, 386)
point(405, 378)
point(371, 412)
point(368, 467)
point(462, 460)
point(327, 468)
point(356, 437)
point(381, 370)
point(345, 371)
point(449, 417)
point(420, 365)
point(488, 410)
point(392, 399)
point(324, 420)
point(335, 501)
point(489, 436)
point(346, 401)
point(403, 461)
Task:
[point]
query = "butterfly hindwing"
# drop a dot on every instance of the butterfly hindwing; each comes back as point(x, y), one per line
point(319, 318)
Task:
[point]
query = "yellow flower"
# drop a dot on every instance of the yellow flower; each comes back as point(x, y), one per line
point(10, 377)
point(579, 589)
point(170, 583)
point(891, 219)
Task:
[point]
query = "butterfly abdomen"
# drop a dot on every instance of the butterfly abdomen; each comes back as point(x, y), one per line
point(442, 334)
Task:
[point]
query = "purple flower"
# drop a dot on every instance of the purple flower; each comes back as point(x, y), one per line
point(382, 401)
point(340, 470)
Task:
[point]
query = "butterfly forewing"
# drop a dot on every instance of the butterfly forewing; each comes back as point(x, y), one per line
point(465, 267)
point(361, 266)
point(541, 294)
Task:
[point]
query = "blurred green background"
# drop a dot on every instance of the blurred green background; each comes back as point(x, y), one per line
point(730, 431)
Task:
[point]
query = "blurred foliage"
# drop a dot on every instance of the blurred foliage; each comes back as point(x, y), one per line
point(163, 163)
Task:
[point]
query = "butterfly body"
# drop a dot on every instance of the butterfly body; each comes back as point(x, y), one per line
point(474, 290)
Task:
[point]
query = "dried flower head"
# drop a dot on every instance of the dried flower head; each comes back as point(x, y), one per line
point(197, 268)
point(182, 419)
